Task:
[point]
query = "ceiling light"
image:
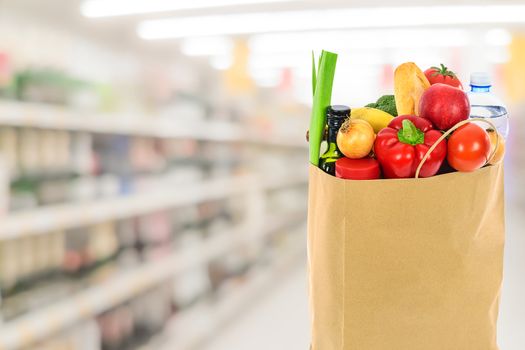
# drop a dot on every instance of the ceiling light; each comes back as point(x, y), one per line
point(377, 17)
point(358, 39)
point(498, 37)
point(109, 8)
point(498, 56)
point(221, 62)
point(207, 46)
point(267, 78)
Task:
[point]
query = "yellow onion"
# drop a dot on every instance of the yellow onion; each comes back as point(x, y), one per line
point(355, 138)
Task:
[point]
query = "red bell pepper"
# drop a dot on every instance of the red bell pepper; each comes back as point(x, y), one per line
point(401, 146)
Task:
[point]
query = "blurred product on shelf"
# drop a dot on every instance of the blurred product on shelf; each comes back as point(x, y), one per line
point(46, 86)
point(39, 270)
point(4, 186)
point(52, 167)
point(130, 325)
point(190, 286)
point(85, 335)
point(29, 272)
point(5, 73)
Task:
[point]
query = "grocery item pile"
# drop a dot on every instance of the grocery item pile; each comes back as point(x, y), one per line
point(429, 126)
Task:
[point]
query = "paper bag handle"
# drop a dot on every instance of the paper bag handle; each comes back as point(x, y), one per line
point(452, 129)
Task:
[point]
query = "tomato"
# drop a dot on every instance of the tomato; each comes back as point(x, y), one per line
point(468, 148)
point(442, 75)
point(355, 138)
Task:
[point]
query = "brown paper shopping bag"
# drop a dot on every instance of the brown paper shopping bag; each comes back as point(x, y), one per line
point(406, 264)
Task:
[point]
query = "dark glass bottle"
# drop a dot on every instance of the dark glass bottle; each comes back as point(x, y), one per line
point(335, 117)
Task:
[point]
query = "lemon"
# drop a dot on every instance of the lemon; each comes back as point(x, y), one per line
point(376, 117)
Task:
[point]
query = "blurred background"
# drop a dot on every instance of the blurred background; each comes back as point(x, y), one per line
point(153, 163)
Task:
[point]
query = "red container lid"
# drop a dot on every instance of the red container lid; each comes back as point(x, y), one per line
point(357, 169)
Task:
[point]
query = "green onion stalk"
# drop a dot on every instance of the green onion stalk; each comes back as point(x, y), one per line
point(322, 84)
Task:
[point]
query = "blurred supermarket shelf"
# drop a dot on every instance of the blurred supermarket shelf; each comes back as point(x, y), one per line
point(47, 219)
point(41, 116)
point(40, 324)
point(178, 335)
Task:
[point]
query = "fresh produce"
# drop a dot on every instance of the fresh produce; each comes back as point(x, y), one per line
point(357, 169)
point(444, 106)
point(355, 138)
point(498, 144)
point(409, 85)
point(314, 74)
point(386, 103)
point(442, 75)
point(377, 118)
point(401, 146)
point(322, 84)
point(432, 134)
point(468, 148)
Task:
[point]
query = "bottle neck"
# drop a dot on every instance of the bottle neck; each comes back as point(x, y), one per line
point(333, 129)
point(332, 134)
point(478, 88)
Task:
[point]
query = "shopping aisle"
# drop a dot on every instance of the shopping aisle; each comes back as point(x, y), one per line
point(278, 321)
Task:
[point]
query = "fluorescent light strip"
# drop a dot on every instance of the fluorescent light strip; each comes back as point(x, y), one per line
point(221, 62)
point(498, 37)
point(339, 41)
point(379, 17)
point(111, 8)
point(207, 46)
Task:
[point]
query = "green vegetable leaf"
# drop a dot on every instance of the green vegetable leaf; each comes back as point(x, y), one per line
point(320, 61)
point(442, 70)
point(314, 74)
point(321, 101)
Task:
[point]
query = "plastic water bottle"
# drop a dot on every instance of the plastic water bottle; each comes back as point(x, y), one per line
point(484, 104)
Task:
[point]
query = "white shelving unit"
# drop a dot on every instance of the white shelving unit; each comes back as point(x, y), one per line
point(41, 116)
point(177, 336)
point(46, 219)
point(40, 324)
point(44, 322)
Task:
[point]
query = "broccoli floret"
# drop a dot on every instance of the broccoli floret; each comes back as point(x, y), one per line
point(387, 103)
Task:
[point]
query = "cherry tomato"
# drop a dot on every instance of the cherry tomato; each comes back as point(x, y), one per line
point(468, 148)
point(442, 75)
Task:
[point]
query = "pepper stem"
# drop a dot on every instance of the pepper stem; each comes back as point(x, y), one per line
point(410, 134)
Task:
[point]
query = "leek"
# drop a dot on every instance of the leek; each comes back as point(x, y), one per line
point(322, 84)
point(314, 74)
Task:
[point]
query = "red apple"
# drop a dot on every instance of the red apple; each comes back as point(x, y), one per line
point(444, 106)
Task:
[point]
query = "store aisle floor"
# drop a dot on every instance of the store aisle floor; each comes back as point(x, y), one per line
point(512, 309)
point(278, 321)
